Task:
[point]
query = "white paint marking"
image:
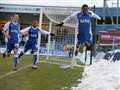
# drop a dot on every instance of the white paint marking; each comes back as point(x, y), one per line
point(13, 72)
point(22, 68)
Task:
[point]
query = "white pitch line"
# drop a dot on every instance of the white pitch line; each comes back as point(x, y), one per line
point(22, 68)
point(13, 72)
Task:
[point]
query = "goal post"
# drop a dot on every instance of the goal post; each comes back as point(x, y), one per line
point(39, 35)
point(48, 45)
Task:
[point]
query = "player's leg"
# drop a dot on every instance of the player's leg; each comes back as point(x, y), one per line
point(90, 48)
point(34, 57)
point(25, 49)
point(8, 50)
point(88, 40)
point(81, 48)
point(77, 48)
point(5, 53)
point(15, 59)
point(89, 45)
point(22, 52)
point(80, 39)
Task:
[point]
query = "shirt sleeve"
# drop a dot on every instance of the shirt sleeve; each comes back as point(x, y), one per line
point(44, 32)
point(95, 15)
point(71, 16)
point(25, 30)
point(6, 26)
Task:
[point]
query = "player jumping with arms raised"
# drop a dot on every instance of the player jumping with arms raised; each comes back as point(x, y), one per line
point(84, 17)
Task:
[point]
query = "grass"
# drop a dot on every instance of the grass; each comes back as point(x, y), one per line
point(46, 77)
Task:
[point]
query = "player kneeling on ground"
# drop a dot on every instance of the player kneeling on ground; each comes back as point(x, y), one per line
point(31, 44)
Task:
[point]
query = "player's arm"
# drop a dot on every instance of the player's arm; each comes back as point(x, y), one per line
point(24, 32)
point(5, 30)
point(67, 18)
point(46, 32)
point(94, 15)
point(97, 17)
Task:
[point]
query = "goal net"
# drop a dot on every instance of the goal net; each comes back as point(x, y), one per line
point(58, 49)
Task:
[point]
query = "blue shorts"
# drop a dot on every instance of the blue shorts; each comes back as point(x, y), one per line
point(82, 38)
point(11, 46)
point(29, 46)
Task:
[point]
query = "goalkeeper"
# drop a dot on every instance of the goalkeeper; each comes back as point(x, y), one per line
point(84, 17)
point(32, 33)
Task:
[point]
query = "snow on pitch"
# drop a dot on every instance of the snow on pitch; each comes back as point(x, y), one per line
point(102, 75)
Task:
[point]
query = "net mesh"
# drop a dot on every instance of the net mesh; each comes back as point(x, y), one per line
point(57, 15)
point(58, 49)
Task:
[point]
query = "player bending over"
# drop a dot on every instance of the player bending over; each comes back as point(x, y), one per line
point(11, 31)
point(32, 33)
point(84, 17)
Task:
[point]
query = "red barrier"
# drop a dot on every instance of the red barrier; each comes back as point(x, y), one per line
point(109, 38)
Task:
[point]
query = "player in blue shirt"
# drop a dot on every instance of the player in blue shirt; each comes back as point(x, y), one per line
point(31, 44)
point(84, 17)
point(11, 31)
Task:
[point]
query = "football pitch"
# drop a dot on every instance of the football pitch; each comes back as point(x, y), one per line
point(46, 77)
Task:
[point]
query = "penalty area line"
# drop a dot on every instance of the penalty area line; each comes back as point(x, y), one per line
point(13, 72)
point(22, 68)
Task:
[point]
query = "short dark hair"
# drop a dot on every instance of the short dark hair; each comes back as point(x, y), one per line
point(84, 5)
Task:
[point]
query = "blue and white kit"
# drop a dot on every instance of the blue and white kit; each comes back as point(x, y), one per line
point(32, 32)
point(12, 29)
point(84, 25)
point(31, 43)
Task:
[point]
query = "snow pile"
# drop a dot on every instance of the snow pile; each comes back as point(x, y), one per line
point(81, 57)
point(102, 75)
